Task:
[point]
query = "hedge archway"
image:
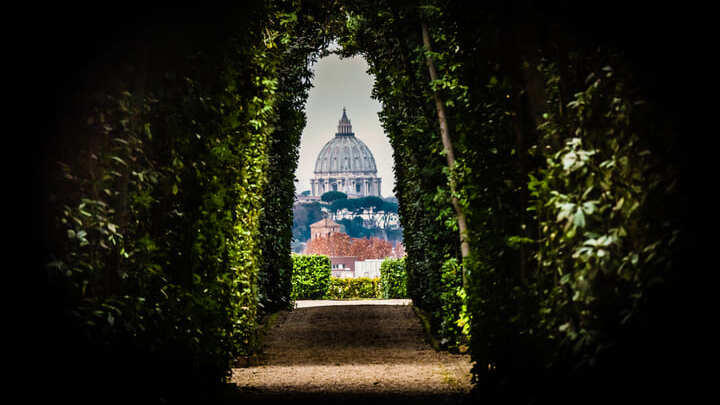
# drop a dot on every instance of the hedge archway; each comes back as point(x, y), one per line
point(169, 185)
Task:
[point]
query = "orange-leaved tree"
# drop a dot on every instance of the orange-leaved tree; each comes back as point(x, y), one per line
point(372, 248)
point(335, 244)
point(340, 244)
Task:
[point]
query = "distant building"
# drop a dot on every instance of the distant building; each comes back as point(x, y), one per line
point(369, 268)
point(323, 228)
point(347, 266)
point(343, 266)
point(345, 164)
point(350, 267)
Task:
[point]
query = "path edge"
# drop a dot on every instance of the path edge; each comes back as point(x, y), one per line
point(253, 359)
point(425, 322)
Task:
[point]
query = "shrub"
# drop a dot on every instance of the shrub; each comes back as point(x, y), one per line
point(344, 288)
point(310, 276)
point(451, 332)
point(393, 278)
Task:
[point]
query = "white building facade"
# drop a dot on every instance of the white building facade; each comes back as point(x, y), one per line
point(368, 268)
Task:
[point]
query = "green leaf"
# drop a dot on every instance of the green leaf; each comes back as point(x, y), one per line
point(589, 207)
point(619, 204)
point(579, 218)
point(148, 133)
point(117, 159)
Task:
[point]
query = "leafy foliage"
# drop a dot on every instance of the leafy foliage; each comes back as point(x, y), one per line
point(172, 203)
point(350, 288)
point(393, 278)
point(454, 327)
point(338, 205)
point(557, 170)
point(355, 227)
point(310, 277)
point(340, 244)
point(331, 196)
point(358, 205)
point(594, 204)
point(304, 215)
point(407, 118)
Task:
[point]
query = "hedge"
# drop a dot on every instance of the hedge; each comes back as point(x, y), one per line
point(346, 288)
point(170, 227)
point(311, 276)
point(393, 278)
point(566, 171)
point(311, 279)
point(168, 199)
point(452, 332)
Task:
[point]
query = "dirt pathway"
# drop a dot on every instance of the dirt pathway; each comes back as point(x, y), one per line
point(354, 352)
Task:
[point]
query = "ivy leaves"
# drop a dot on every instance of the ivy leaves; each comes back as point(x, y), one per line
point(165, 220)
point(589, 204)
point(175, 227)
point(554, 246)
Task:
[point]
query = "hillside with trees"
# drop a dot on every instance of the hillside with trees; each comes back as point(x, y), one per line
point(366, 217)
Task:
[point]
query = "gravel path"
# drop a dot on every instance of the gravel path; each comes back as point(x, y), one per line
point(353, 351)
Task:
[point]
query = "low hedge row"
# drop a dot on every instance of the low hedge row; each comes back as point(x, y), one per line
point(344, 288)
point(311, 280)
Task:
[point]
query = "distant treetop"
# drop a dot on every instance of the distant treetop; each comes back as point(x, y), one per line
point(360, 204)
point(333, 195)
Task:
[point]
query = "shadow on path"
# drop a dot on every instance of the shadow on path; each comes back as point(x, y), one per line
point(356, 352)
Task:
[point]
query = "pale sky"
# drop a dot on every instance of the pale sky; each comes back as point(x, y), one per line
point(337, 83)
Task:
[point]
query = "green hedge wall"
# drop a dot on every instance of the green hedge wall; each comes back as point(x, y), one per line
point(393, 278)
point(310, 277)
point(155, 207)
point(452, 333)
point(169, 214)
point(566, 171)
point(169, 209)
point(348, 288)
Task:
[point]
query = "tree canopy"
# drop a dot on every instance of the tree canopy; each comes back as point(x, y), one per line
point(331, 196)
point(358, 205)
point(340, 244)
